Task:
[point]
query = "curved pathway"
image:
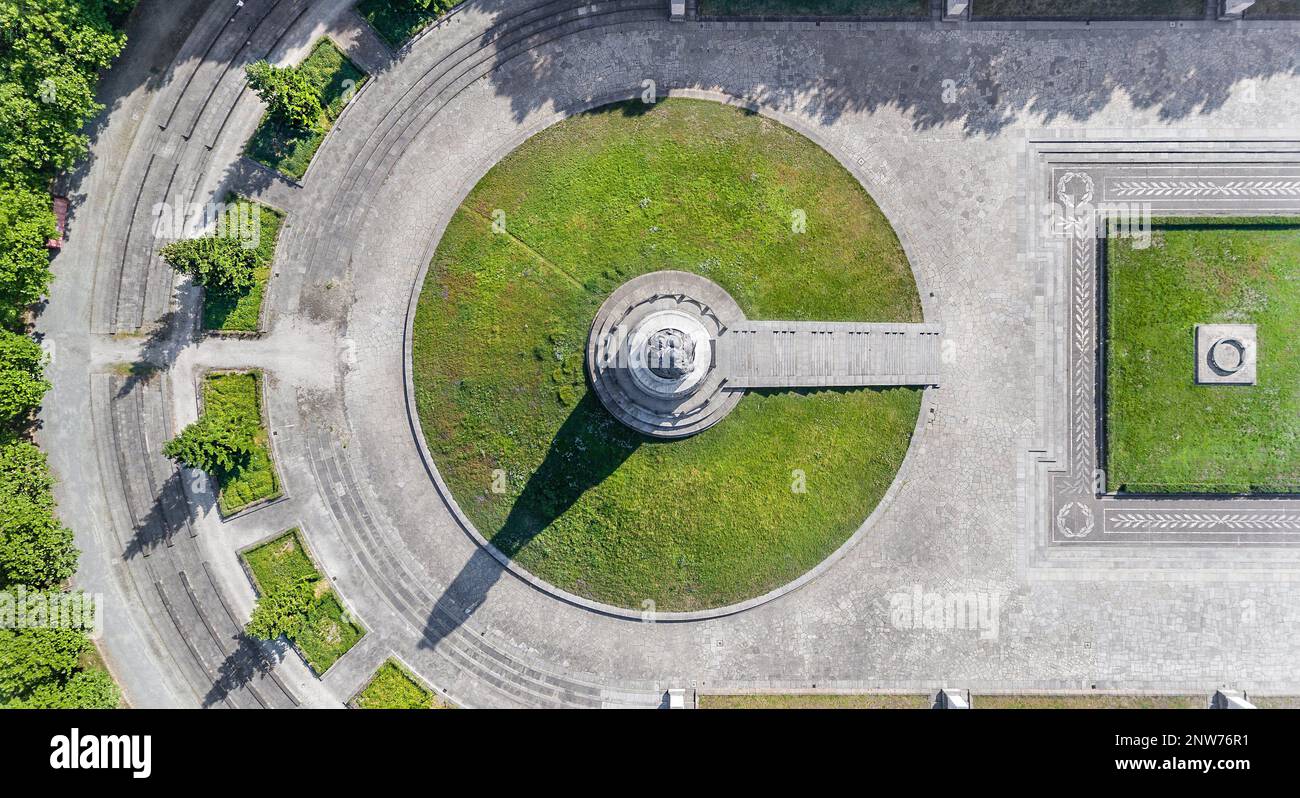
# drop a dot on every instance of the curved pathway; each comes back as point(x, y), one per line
point(934, 121)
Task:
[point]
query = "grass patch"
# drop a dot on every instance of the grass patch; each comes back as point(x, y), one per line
point(1275, 701)
point(1165, 433)
point(289, 149)
point(329, 631)
point(395, 23)
point(1089, 702)
point(236, 397)
point(1276, 9)
point(500, 331)
point(815, 8)
point(229, 311)
point(1092, 9)
point(394, 687)
point(817, 701)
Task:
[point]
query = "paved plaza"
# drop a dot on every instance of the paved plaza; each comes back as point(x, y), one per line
point(994, 150)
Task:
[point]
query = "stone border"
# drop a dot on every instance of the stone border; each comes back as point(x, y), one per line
point(1071, 523)
point(521, 135)
point(301, 536)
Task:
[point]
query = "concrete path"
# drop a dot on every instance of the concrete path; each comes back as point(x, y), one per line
point(809, 354)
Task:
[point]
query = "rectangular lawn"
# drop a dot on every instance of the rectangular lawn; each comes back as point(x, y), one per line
point(1276, 9)
point(237, 398)
point(1089, 701)
point(815, 8)
point(1164, 432)
point(815, 701)
point(241, 311)
point(288, 149)
point(1090, 9)
point(329, 632)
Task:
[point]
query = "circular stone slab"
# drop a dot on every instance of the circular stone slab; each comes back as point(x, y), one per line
point(1228, 355)
point(650, 353)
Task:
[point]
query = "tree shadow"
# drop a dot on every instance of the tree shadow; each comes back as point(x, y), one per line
point(239, 669)
point(589, 446)
point(168, 514)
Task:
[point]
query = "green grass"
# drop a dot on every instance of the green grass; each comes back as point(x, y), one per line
point(815, 701)
point(1165, 433)
point(394, 687)
point(1274, 8)
point(1093, 9)
point(241, 311)
point(1275, 702)
point(1089, 702)
point(396, 24)
point(329, 632)
point(501, 327)
point(289, 149)
point(237, 398)
point(280, 561)
point(815, 8)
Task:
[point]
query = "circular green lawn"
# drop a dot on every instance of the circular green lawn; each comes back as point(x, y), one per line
point(529, 453)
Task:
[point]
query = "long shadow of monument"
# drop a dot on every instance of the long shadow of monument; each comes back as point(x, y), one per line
point(589, 446)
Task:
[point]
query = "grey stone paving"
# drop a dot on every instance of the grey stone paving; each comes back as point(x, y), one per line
point(955, 131)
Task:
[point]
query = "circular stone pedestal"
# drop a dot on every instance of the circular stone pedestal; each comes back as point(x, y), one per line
point(651, 353)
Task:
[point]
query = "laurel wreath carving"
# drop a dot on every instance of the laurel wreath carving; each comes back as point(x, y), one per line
point(1160, 519)
point(1191, 187)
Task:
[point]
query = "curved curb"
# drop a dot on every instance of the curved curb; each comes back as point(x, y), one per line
point(522, 134)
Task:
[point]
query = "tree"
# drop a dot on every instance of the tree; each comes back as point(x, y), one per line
point(26, 223)
point(220, 263)
point(35, 549)
point(33, 656)
point(282, 611)
point(24, 472)
point(287, 93)
point(50, 58)
point(84, 690)
point(430, 5)
point(22, 380)
point(211, 444)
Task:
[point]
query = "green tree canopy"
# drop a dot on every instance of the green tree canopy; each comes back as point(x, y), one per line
point(212, 444)
point(283, 611)
point(221, 263)
point(22, 380)
point(32, 656)
point(35, 549)
point(287, 93)
point(93, 689)
point(51, 52)
point(26, 223)
point(24, 472)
